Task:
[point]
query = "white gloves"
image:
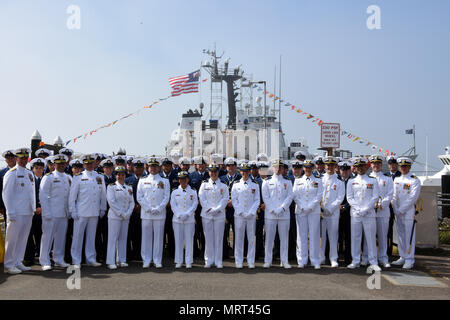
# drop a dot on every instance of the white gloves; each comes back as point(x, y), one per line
point(326, 212)
point(154, 211)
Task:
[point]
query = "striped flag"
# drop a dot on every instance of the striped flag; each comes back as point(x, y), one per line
point(185, 84)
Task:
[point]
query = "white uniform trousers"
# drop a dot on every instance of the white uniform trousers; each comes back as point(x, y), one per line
point(283, 232)
point(117, 241)
point(80, 226)
point(152, 240)
point(357, 225)
point(382, 234)
point(213, 230)
point(308, 225)
point(16, 240)
point(53, 232)
point(242, 225)
point(404, 228)
point(184, 236)
point(330, 228)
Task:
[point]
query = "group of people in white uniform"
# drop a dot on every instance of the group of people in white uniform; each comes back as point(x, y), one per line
point(318, 198)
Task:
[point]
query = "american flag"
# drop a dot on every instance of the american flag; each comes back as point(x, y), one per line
point(185, 84)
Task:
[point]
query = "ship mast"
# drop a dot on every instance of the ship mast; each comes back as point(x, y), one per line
point(225, 74)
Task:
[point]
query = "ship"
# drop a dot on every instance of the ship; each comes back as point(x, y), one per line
point(251, 126)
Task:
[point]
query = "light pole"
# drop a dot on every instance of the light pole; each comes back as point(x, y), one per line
point(265, 112)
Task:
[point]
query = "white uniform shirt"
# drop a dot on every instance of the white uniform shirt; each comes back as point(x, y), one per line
point(333, 195)
point(183, 202)
point(120, 200)
point(87, 194)
point(406, 192)
point(54, 194)
point(386, 189)
point(153, 192)
point(307, 193)
point(18, 192)
point(362, 195)
point(213, 195)
point(245, 198)
point(277, 196)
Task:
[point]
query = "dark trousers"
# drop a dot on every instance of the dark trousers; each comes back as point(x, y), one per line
point(169, 237)
point(259, 233)
point(34, 239)
point(344, 240)
point(69, 234)
point(327, 243)
point(199, 236)
point(292, 250)
point(229, 223)
point(390, 240)
point(101, 238)
point(134, 236)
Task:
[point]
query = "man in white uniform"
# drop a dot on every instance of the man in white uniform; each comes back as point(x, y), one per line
point(245, 199)
point(20, 203)
point(362, 195)
point(87, 201)
point(153, 194)
point(277, 196)
point(386, 189)
point(54, 197)
point(333, 195)
point(213, 196)
point(183, 202)
point(308, 191)
point(406, 192)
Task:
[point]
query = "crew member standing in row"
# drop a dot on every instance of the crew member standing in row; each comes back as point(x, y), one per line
point(246, 199)
point(307, 193)
point(19, 198)
point(54, 195)
point(183, 202)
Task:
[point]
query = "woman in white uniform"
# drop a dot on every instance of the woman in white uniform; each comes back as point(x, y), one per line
point(183, 202)
point(121, 205)
point(213, 196)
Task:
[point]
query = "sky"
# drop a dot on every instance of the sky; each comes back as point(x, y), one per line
point(375, 83)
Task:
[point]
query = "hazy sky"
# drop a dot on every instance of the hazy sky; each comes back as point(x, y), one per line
point(376, 83)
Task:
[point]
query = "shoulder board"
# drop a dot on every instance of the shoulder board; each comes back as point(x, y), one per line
point(340, 178)
point(413, 176)
point(111, 184)
point(387, 174)
point(101, 173)
point(315, 174)
point(77, 174)
point(47, 174)
point(352, 177)
point(265, 178)
point(12, 169)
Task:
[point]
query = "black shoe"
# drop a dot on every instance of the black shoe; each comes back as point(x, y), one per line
point(28, 263)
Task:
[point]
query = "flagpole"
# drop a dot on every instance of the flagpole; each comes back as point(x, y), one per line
point(414, 137)
point(279, 113)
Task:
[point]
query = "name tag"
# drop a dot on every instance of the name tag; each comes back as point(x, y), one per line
point(84, 179)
